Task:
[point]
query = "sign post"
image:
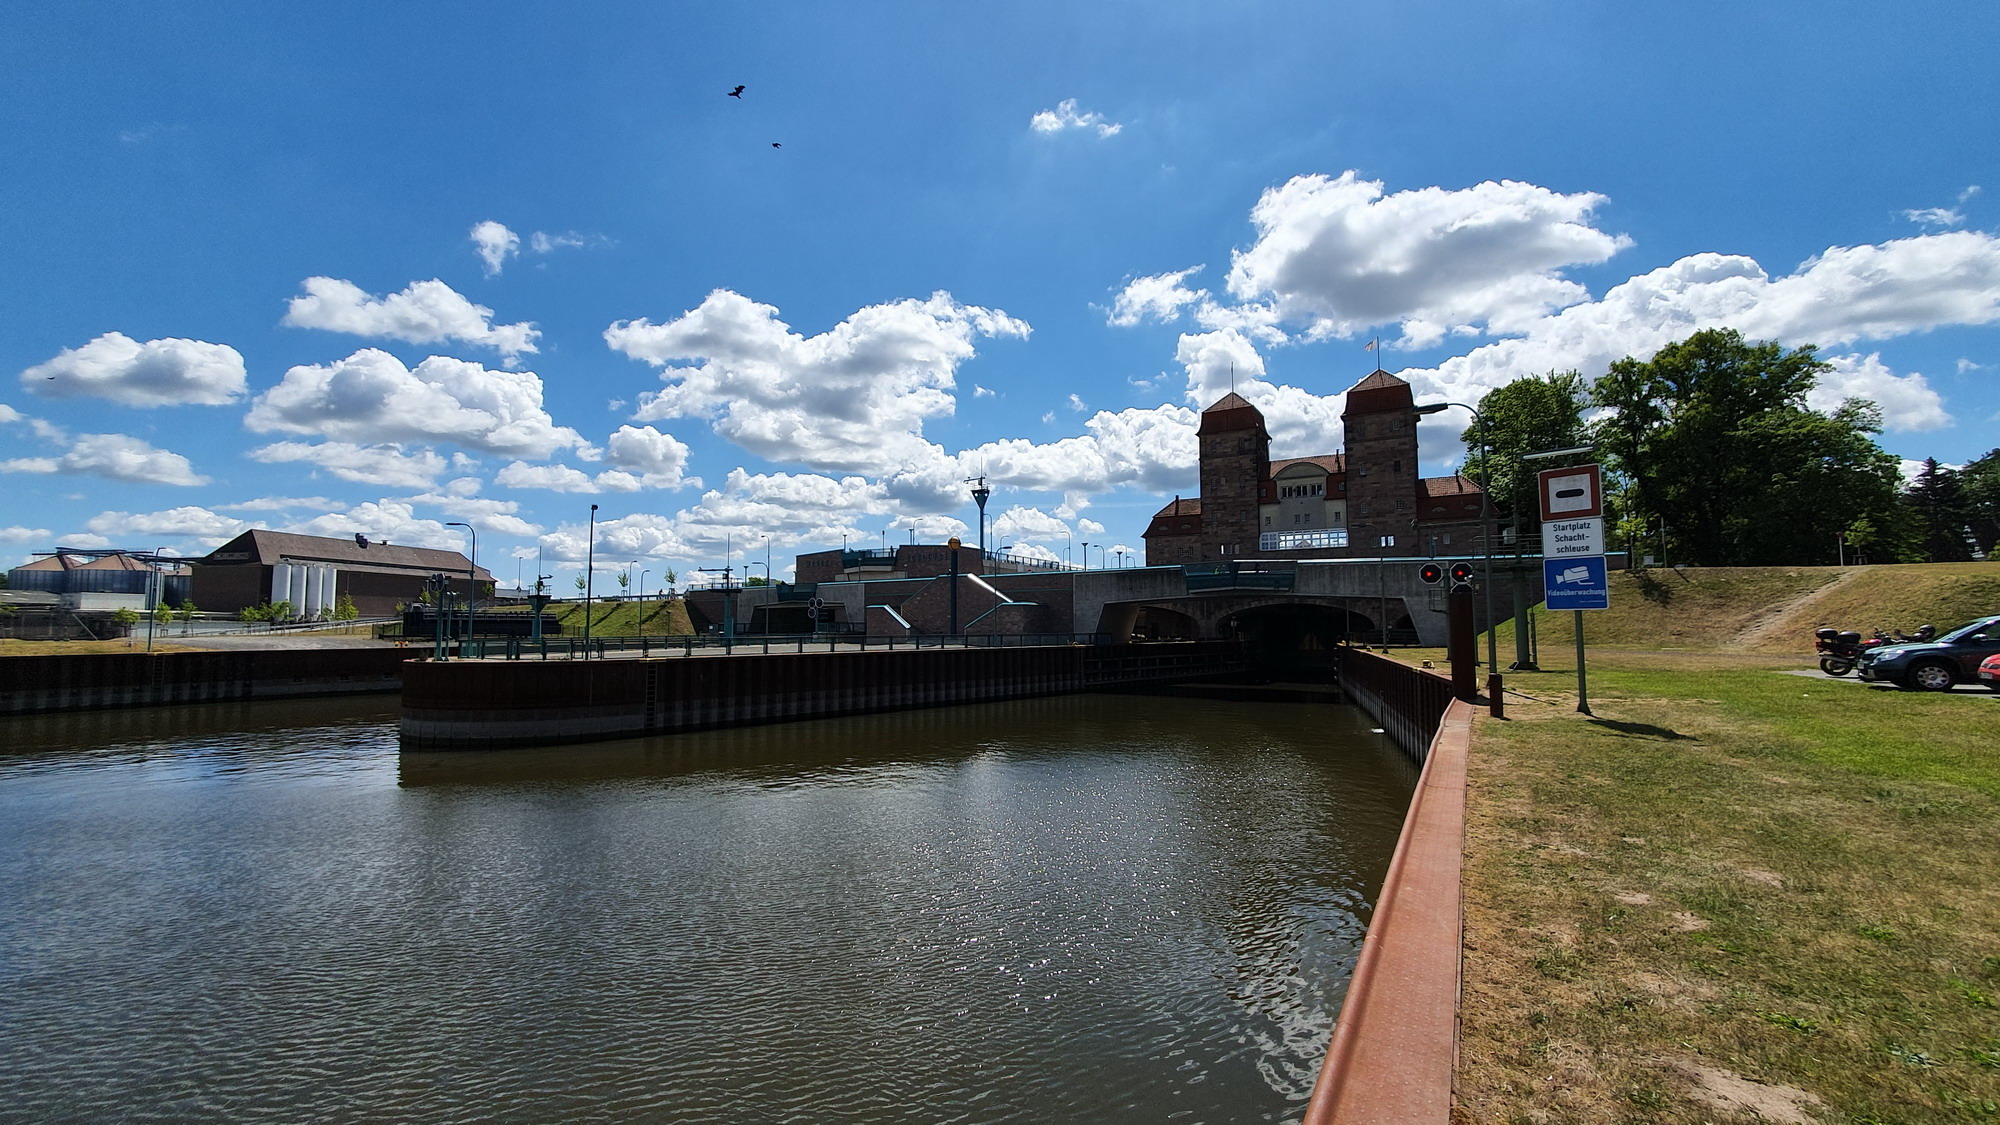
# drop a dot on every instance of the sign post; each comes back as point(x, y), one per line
point(1574, 576)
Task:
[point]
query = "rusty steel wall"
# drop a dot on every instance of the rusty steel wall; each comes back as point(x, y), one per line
point(31, 684)
point(1408, 702)
point(485, 704)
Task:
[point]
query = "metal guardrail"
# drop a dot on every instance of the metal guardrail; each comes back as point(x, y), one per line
point(577, 648)
point(1277, 576)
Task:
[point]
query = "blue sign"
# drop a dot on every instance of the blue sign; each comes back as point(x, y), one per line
point(1576, 583)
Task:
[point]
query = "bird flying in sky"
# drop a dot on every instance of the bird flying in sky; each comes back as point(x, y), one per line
point(737, 92)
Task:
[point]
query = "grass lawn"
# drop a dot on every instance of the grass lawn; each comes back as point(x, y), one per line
point(653, 617)
point(10, 646)
point(1731, 887)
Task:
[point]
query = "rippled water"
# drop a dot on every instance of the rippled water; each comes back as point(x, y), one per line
point(1092, 909)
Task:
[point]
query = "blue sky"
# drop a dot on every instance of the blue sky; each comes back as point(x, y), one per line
point(378, 270)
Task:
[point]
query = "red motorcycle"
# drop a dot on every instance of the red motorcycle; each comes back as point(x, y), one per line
point(1839, 652)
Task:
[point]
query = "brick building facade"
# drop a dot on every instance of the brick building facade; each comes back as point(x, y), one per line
point(1364, 502)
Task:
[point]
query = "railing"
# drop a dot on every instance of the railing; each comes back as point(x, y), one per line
point(577, 648)
point(1240, 576)
point(1030, 562)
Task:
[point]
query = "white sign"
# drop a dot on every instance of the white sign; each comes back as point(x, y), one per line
point(1572, 493)
point(1564, 539)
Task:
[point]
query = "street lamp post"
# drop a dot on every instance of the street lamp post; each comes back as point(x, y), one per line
point(471, 579)
point(1086, 554)
point(153, 591)
point(589, 574)
point(1485, 527)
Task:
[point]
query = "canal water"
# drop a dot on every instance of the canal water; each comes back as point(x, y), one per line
point(1082, 909)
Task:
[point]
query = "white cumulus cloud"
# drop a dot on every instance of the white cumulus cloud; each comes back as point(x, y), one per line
point(658, 460)
point(1845, 294)
point(115, 457)
point(371, 397)
point(1338, 256)
point(1936, 216)
point(386, 465)
point(495, 244)
point(426, 312)
point(167, 372)
point(207, 528)
point(852, 399)
point(563, 478)
point(1065, 116)
point(1159, 297)
point(1908, 403)
point(384, 521)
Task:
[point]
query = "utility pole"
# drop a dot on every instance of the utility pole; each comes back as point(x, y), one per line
point(980, 493)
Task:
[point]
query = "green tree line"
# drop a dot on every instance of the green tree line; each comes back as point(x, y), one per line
point(1713, 458)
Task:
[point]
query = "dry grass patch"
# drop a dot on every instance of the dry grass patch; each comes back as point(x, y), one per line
point(1708, 904)
point(10, 646)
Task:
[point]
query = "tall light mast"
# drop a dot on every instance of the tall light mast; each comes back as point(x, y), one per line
point(979, 495)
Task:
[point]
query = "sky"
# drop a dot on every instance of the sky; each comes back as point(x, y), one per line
point(381, 269)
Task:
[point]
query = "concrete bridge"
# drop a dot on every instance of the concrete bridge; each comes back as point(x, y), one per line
point(1311, 604)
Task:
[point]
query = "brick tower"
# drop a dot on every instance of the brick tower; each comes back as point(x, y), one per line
point(1382, 463)
point(1235, 458)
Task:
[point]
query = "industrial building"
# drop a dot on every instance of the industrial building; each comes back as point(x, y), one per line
point(93, 581)
point(313, 573)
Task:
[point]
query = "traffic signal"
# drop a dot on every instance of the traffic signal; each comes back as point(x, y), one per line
point(1461, 573)
point(1431, 573)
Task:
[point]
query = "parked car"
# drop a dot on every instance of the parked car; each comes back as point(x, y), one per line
point(1989, 672)
point(1953, 658)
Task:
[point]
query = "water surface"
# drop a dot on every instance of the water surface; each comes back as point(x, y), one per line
point(1092, 908)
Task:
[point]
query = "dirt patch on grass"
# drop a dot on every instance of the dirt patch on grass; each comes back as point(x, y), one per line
point(1719, 1089)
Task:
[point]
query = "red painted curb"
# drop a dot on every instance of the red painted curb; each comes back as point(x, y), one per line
point(1395, 1045)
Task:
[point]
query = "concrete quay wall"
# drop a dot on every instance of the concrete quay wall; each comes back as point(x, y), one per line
point(477, 705)
point(88, 681)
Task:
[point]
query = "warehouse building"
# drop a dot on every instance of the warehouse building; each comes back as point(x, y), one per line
point(314, 573)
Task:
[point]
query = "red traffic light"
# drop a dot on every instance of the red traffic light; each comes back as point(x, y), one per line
point(1431, 573)
point(1461, 572)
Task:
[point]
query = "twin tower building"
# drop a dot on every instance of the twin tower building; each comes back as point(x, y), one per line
point(1365, 502)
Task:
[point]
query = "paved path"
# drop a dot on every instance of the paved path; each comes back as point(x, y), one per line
point(1957, 689)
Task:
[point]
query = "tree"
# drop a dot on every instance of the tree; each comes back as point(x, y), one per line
point(671, 578)
point(580, 583)
point(1713, 436)
point(185, 613)
point(1533, 414)
point(756, 580)
point(624, 580)
point(1937, 500)
point(344, 608)
point(1981, 481)
point(125, 618)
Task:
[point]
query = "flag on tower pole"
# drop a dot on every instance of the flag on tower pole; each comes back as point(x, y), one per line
point(1373, 345)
